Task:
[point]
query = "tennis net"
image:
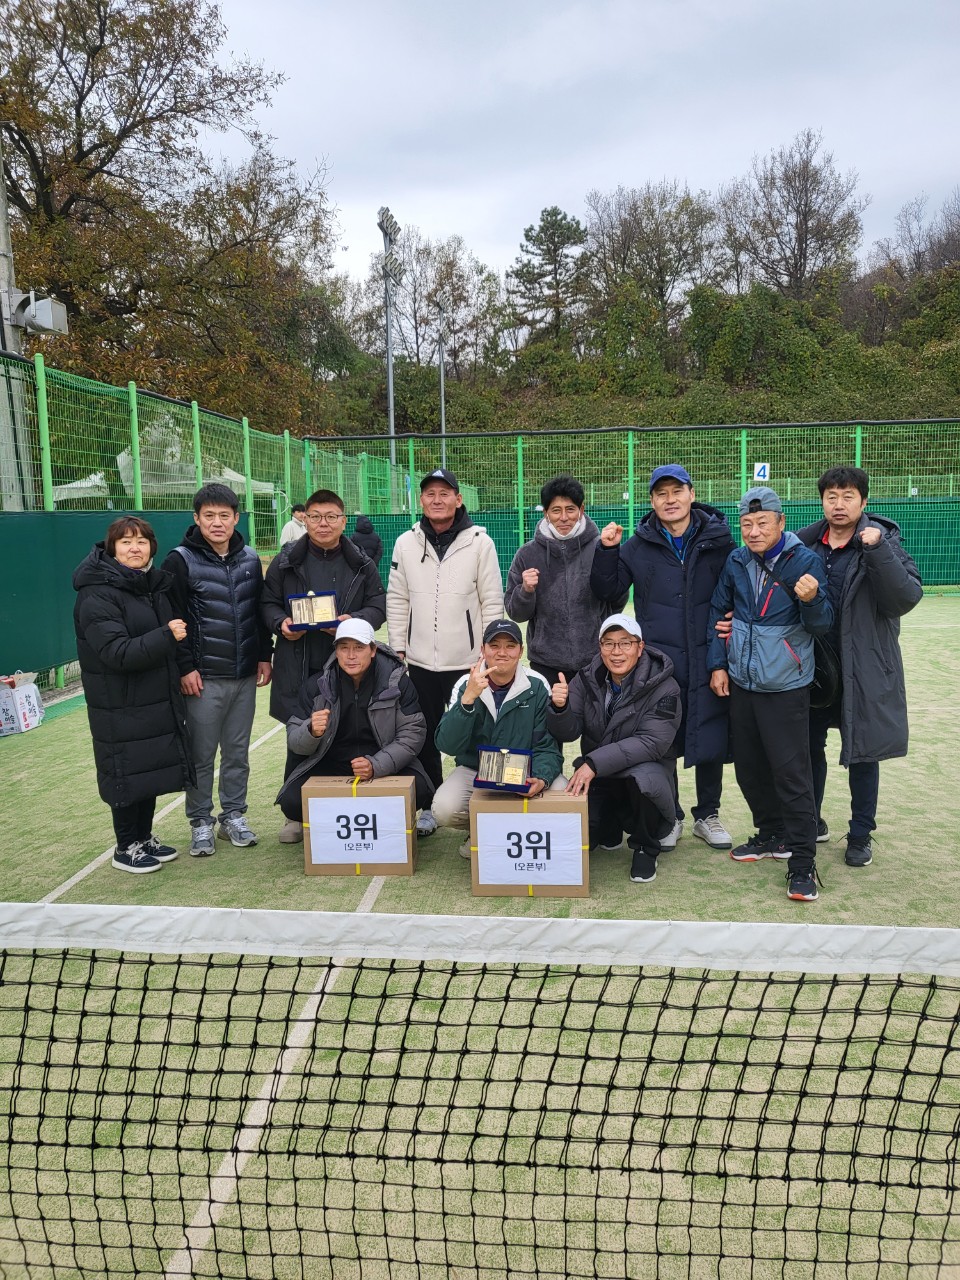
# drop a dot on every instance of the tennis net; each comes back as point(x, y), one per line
point(280, 1094)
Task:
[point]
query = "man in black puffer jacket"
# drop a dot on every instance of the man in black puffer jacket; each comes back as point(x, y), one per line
point(367, 539)
point(217, 583)
point(673, 563)
point(625, 707)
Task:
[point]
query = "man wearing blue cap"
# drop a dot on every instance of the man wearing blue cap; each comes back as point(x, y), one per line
point(776, 588)
point(673, 563)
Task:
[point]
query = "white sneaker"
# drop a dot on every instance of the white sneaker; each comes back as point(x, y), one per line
point(669, 841)
point(713, 831)
point(426, 823)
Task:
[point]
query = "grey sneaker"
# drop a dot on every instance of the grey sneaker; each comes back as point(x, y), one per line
point(201, 840)
point(426, 824)
point(291, 832)
point(236, 831)
point(713, 831)
point(669, 841)
point(464, 849)
point(135, 858)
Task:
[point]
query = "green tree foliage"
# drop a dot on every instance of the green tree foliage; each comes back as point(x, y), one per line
point(545, 284)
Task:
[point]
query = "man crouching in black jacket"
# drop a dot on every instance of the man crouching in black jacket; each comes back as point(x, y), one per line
point(625, 706)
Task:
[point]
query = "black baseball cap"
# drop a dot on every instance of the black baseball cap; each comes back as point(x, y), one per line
point(446, 477)
point(502, 627)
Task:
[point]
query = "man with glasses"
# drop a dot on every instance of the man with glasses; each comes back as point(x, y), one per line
point(324, 561)
point(775, 587)
point(625, 708)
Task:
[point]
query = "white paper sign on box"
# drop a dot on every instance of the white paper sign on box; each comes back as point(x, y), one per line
point(357, 829)
point(9, 717)
point(29, 705)
point(529, 848)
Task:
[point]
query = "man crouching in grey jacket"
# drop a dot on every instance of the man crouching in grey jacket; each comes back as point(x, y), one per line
point(625, 707)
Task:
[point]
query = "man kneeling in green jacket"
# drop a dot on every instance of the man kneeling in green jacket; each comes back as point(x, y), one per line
point(498, 703)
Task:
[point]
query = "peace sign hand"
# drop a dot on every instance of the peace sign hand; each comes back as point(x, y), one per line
point(477, 681)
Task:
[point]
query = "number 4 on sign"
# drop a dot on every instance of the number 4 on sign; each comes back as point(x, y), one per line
point(761, 472)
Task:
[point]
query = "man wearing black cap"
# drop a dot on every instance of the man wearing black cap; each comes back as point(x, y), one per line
point(445, 588)
point(776, 588)
point(497, 703)
point(673, 563)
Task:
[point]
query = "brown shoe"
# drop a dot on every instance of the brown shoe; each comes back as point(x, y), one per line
point(291, 832)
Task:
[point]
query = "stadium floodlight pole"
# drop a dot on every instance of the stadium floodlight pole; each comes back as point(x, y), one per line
point(392, 275)
point(443, 407)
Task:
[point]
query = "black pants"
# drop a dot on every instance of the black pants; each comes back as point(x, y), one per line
point(433, 690)
point(615, 805)
point(771, 756)
point(133, 823)
point(292, 807)
point(709, 782)
point(864, 778)
point(551, 674)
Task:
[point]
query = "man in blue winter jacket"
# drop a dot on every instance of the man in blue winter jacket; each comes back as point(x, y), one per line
point(775, 587)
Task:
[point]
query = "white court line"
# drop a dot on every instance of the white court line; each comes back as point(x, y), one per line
point(107, 854)
point(223, 1185)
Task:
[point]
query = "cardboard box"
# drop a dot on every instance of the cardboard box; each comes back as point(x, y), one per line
point(535, 848)
point(20, 708)
point(353, 828)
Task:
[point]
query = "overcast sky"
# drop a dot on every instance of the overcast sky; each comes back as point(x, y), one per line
point(470, 119)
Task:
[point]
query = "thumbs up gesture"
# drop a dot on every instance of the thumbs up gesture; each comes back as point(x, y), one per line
point(611, 534)
point(558, 694)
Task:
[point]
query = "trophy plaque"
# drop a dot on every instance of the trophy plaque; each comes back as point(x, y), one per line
point(313, 610)
point(504, 769)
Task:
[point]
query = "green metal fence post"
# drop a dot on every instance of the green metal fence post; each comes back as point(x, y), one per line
point(631, 510)
point(521, 523)
point(135, 447)
point(197, 457)
point(363, 481)
point(858, 445)
point(743, 460)
point(307, 470)
point(43, 426)
point(287, 474)
point(413, 481)
point(340, 472)
point(46, 462)
point(248, 483)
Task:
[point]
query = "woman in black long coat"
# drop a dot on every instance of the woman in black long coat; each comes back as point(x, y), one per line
point(127, 638)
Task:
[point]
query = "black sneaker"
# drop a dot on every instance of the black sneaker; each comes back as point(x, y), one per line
point(802, 885)
point(823, 832)
point(162, 852)
point(134, 857)
point(758, 847)
point(859, 851)
point(643, 869)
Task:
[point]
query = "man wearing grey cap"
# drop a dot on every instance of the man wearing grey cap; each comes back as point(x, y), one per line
point(364, 722)
point(776, 589)
point(673, 562)
point(625, 708)
point(445, 587)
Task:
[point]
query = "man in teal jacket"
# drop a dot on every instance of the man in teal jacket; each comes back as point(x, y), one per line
point(498, 703)
point(776, 588)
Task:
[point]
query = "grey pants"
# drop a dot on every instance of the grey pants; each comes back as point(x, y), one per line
point(222, 716)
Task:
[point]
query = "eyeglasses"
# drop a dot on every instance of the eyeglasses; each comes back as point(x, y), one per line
point(617, 646)
point(324, 519)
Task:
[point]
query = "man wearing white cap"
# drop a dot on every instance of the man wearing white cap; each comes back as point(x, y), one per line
point(445, 588)
point(365, 720)
point(625, 708)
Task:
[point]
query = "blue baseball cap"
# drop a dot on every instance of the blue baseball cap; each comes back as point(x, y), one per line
point(761, 498)
point(672, 471)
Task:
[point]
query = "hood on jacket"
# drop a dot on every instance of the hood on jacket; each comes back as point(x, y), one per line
point(195, 540)
point(557, 546)
point(814, 532)
point(364, 524)
point(386, 667)
point(294, 553)
point(658, 667)
point(97, 569)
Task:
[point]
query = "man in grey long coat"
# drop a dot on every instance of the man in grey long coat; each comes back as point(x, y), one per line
point(872, 583)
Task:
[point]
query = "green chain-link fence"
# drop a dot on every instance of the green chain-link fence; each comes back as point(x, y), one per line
point(69, 443)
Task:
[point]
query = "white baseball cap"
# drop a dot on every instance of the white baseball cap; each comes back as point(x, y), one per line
point(630, 625)
point(354, 629)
